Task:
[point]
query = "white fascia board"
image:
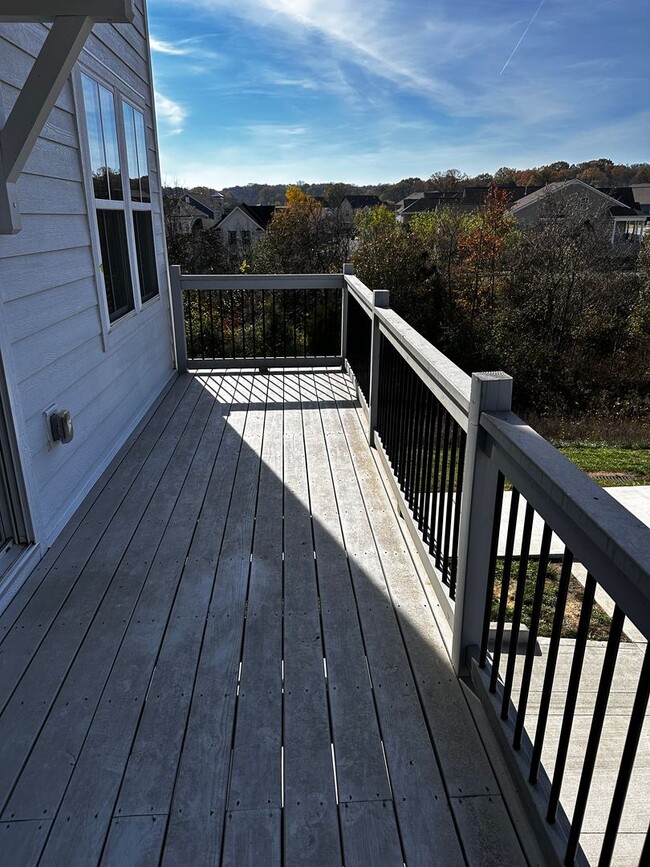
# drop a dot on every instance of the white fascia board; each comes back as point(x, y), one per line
point(115, 11)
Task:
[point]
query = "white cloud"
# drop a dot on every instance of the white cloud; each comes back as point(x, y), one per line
point(163, 47)
point(171, 114)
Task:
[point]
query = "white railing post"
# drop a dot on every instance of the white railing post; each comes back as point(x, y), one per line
point(380, 298)
point(178, 319)
point(491, 392)
point(348, 268)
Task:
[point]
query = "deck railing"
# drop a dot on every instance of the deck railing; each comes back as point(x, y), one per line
point(502, 521)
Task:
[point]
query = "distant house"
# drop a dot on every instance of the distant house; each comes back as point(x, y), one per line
point(466, 199)
point(628, 219)
point(245, 226)
point(351, 204)
point(185, 212)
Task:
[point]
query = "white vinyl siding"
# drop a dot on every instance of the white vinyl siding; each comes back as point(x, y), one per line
point(54, 341)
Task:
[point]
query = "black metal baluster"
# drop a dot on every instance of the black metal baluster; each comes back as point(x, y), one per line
point(243, 326)
point(551, 663)
point(410, 437)
point(201, 326)
point(212, 351)
point(275, 325)
point(313, 325)
point(304, 323)
point(403, 430)
point(187, 299)
point(535, 613)
point(427, 457)
point(264, 346)
point(505, 586)
point(223, 340)
point(232, 322)
point(595, 732)
point(492, 564)
point(449, 509)
point(443, 489)
point(253, 322)
point(457, 505)
point(416, 477)
point(284, 320)
point(435, 480)
point(571, 697)
point(637, 720)
point(295, 323)
point(520, 589)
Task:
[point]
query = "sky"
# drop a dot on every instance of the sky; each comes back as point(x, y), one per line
point(373, 91)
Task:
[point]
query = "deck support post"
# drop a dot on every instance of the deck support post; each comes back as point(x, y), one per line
point(178, 319)
point(490, 392)
point(348, 268)
point(381, 299)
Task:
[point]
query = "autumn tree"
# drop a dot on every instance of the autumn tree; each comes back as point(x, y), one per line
point(303, 238)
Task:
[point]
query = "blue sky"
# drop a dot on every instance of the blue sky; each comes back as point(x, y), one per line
point(368, 91)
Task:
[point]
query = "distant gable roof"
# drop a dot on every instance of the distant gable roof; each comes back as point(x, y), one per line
point(616, 208)
point(362, 201)
point(259, 214)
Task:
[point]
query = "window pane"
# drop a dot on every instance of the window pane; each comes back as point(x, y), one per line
point(132, 152)
point(147, 269)
point(115, 262)
point(142, 155)
point(110, 143)
point(95, 137)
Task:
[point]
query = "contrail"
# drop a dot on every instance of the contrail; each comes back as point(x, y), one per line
point(530, 23)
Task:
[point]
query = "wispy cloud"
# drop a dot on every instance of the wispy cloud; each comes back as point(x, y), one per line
point(171, 114)
point(162, 47)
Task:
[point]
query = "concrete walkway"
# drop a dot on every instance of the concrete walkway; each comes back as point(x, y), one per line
point(636, 499)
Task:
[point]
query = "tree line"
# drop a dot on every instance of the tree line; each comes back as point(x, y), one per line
point(601, 172)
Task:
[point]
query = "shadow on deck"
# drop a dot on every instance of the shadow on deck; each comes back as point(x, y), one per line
point(230, 657)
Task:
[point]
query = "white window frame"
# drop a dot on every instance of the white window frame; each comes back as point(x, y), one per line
point(126, 205)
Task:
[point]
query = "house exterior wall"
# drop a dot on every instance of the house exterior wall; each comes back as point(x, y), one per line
point(238, 221)
point(574, 196)
point(55, 342)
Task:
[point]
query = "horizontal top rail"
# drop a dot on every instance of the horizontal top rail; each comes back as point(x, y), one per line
point(449, 383)
point(609, 541)
point(228, 282)
point(360, 292)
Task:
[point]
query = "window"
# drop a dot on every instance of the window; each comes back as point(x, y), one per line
point(232, 239)
point(117, 148)
point(246, 238)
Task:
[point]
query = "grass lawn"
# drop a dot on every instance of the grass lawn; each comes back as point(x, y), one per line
point(622, 466)
point(600, 621)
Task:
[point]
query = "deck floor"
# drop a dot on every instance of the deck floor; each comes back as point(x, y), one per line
point(229, 657)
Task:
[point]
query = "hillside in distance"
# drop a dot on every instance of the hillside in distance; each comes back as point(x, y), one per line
point(600, 173)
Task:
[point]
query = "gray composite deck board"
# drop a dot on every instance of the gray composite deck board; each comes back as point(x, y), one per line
point(245, 533)
point(360, 766)
point(95, 607)
point(311, 830)
point(197, 815)
point(24, 628)
point(256, 779)
point(426, 825)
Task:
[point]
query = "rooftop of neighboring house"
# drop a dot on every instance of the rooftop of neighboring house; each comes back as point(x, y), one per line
point(361, 201)
point(260, 214)
point(465, 198)
point(620, 201)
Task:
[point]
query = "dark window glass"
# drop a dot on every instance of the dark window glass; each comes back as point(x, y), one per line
point(132, 152)
point(102, 140)
point(95, 137)
point(246, 238)
point(136, 145)
point(146, 254)
point(142, 155)
point(115, 262)
point(232, 238)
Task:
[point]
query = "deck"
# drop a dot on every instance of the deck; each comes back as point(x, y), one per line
point(230, 658)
